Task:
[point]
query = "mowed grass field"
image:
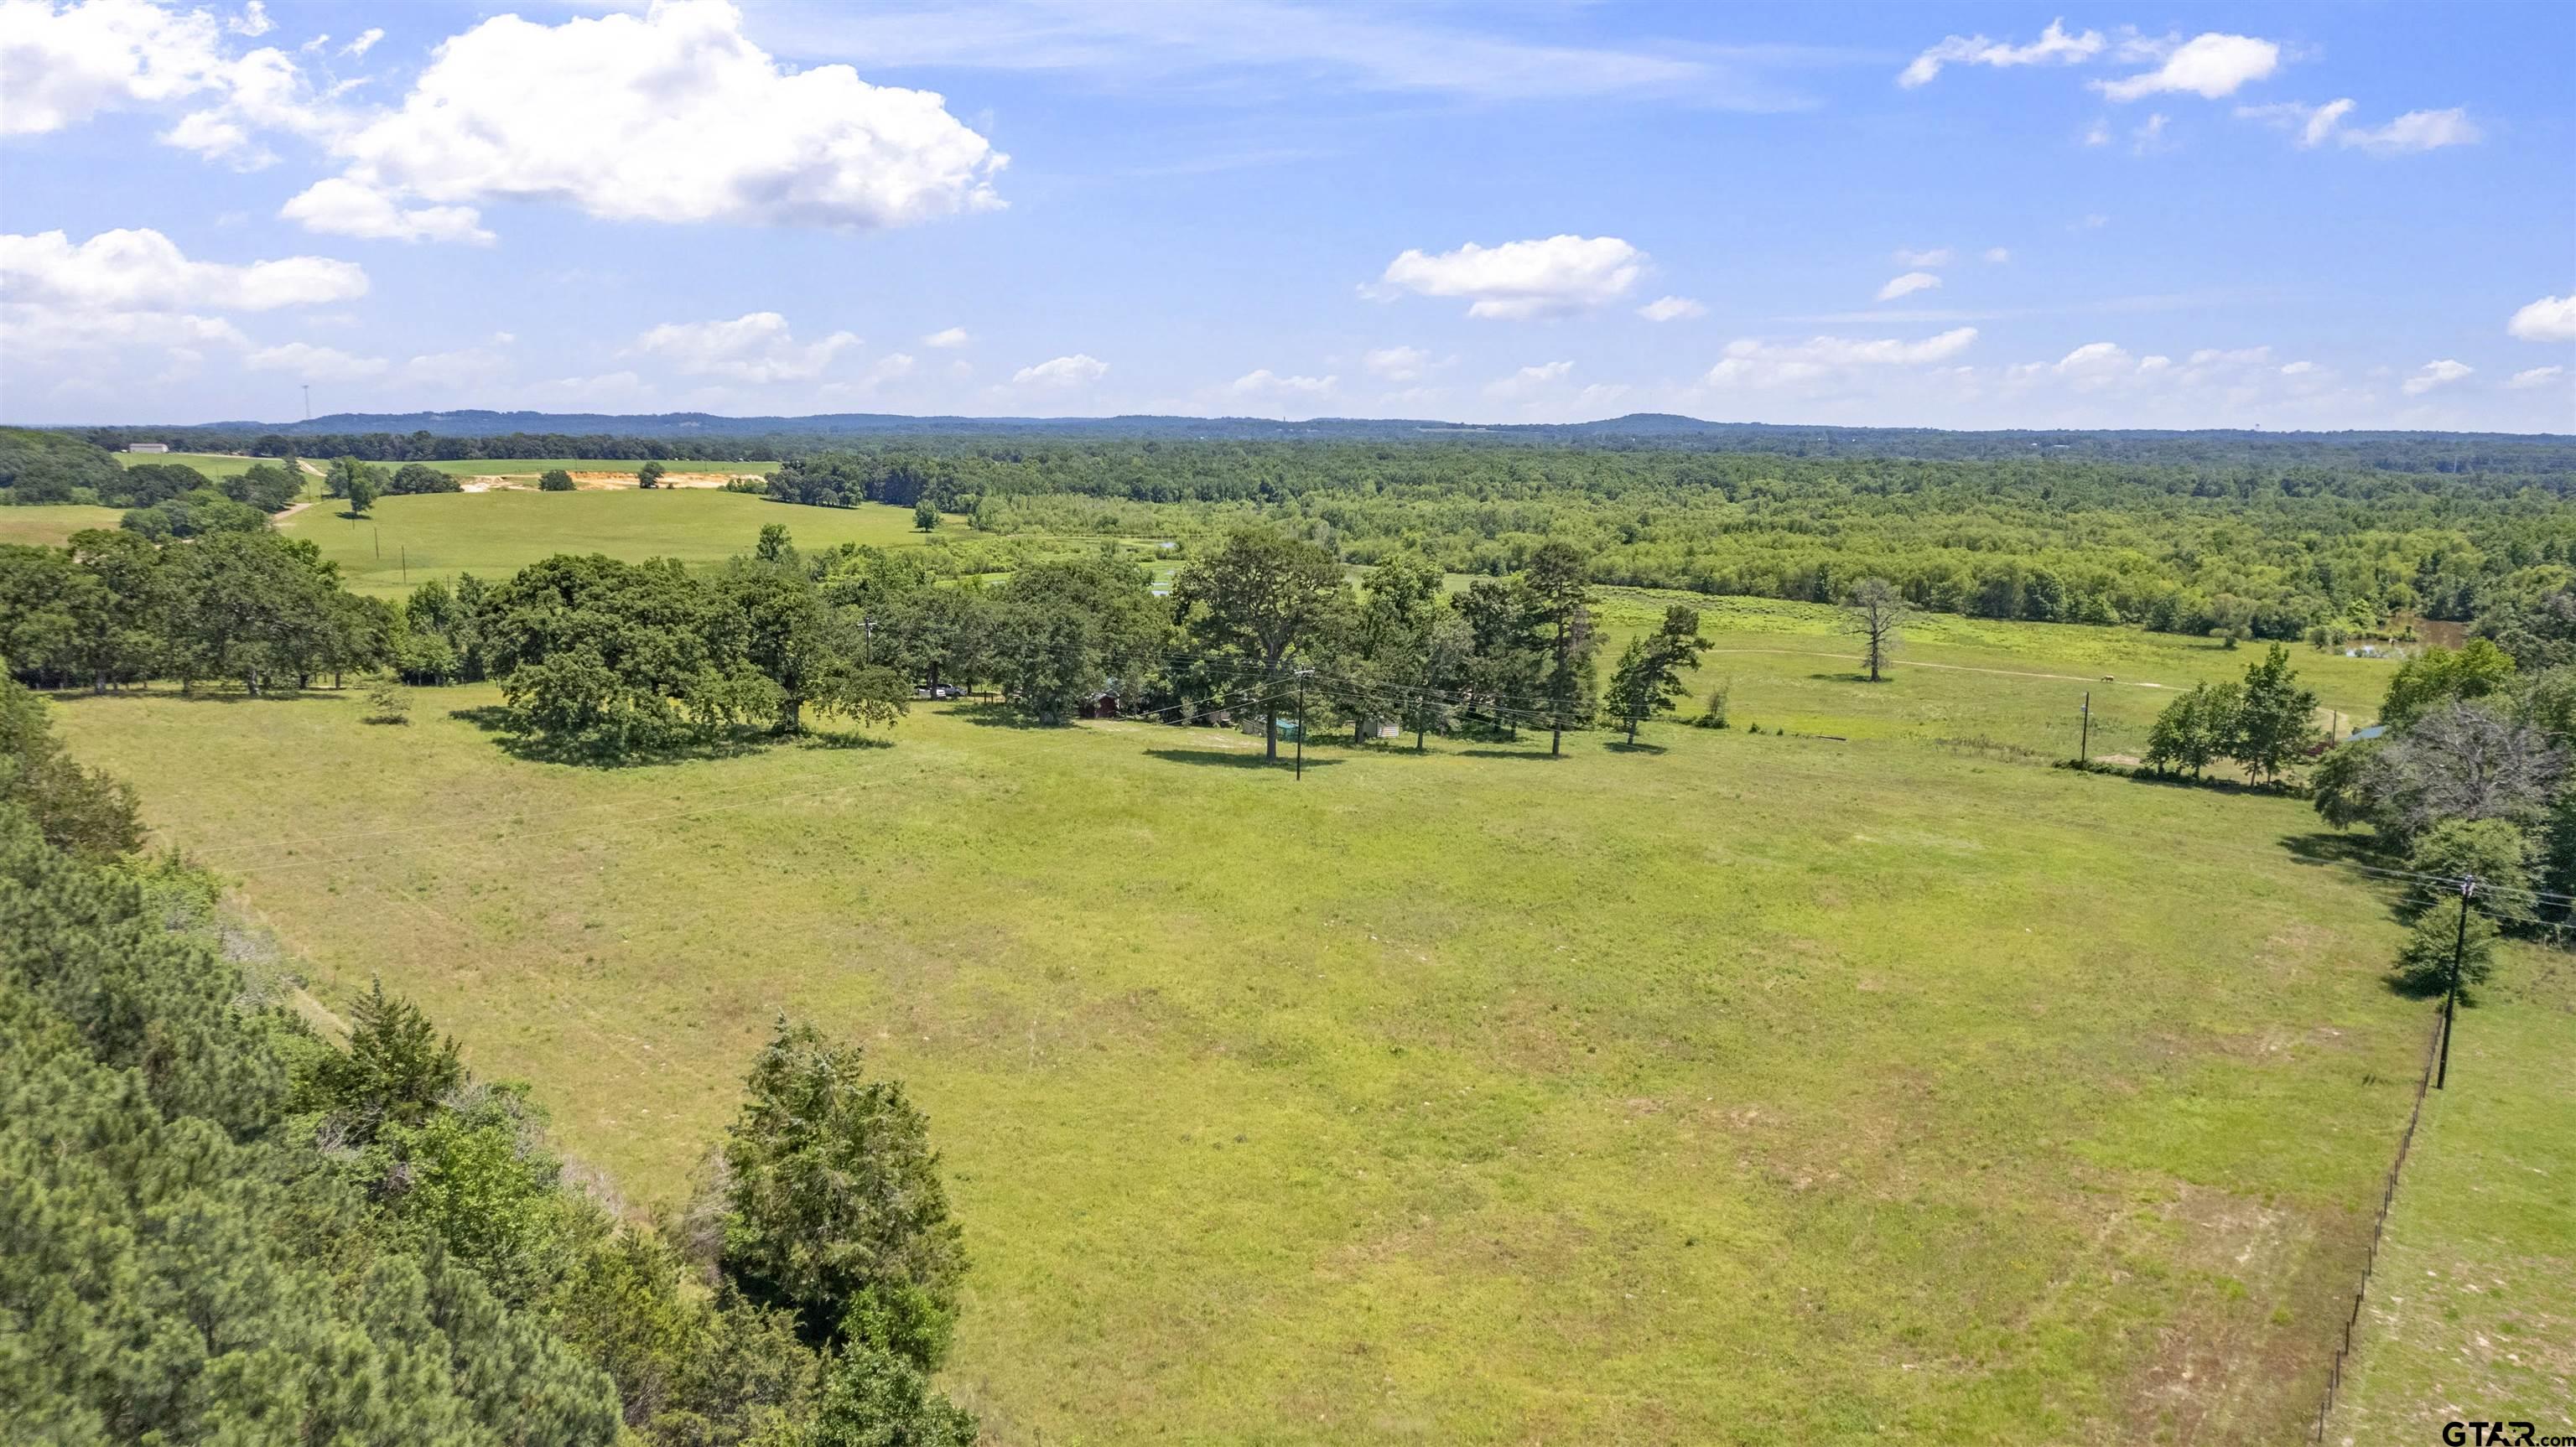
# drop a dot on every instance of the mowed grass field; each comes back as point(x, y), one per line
point(405, 541)
point(50, 525)
point(1752, 1089)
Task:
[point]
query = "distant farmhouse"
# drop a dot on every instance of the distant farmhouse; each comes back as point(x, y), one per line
point(147, 447)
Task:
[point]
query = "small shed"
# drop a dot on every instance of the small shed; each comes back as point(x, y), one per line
point(1100, 705)
point(147, 447)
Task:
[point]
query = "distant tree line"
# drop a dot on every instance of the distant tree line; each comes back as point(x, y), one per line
point(2238, 552)
point(2270, 544)
point(607, 657)
point(421, 446)
point(215, 1225)
point(166, 498)
point(686, 434)
point(619, 655)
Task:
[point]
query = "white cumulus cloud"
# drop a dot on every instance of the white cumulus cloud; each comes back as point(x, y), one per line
point(2435, 374)
point(1522, 279)
point(2209, 66)
point(342, 207)
point(465, 367)
point(253, 20)
point(2550, 319)
point(673, 115)
point(1937, 256)
point(2412, 132)
point(2314, 125)
point(1267, 383)
point(1752, 363)
point(1528, 381)
point(1908, 284)
point(1998, 254)
point(1397, 364)
point(66, 63)
point(315, 363)
point(143, 270)
point(948, 339)
point(2415, 131)
point(756, 347)
point(2536, 377)
point(2053, 47)
point(1079, 370)
point(1672, 309)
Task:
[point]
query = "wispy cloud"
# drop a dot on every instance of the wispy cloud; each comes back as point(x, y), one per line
point(1343, 46)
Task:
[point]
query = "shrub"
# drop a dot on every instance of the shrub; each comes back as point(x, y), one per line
point(554, 479)
point(388, 702)
point(2424, 961)
point(1715, 717)
point(419, 477)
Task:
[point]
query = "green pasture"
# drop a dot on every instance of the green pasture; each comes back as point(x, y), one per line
point(51, 525)
point(2472, 1312)
point(1967, 684)
point(1742, 1088)
point(223, 464)
point(531, 467)
point(404, 541)
point(212, 464)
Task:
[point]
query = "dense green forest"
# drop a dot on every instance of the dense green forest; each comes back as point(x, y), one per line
point(2332, 538)
point(429, 436)
point(2267, 551)
point(216, 1225)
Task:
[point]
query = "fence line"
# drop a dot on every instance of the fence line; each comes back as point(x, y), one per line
point(2378, 1228)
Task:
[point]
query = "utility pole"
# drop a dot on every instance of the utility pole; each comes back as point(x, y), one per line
point(2451, 997)
point(2084, 744)
point(308, 401)
point(406, 565)
point(1301, 723)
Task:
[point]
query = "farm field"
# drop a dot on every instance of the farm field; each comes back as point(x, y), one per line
point(531, 467)
point(51, 525)
point(405, 541)
point(1758, 1087)
point(212, 464)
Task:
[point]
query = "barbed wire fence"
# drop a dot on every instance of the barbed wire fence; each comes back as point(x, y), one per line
point(2378, 1230)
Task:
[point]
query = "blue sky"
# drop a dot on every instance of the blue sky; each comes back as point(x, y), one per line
point(1968, 216)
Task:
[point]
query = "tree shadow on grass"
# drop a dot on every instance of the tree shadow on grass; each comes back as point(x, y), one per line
point(1541, 754)
point(2209, 785)
point(998, 716)
point(204, 694)
point(1220, 759)
point(1848, 677)
point(2426, 985)
point(516, 739)
point(2331, 848)
point(838, 739)
point(1622, 746)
